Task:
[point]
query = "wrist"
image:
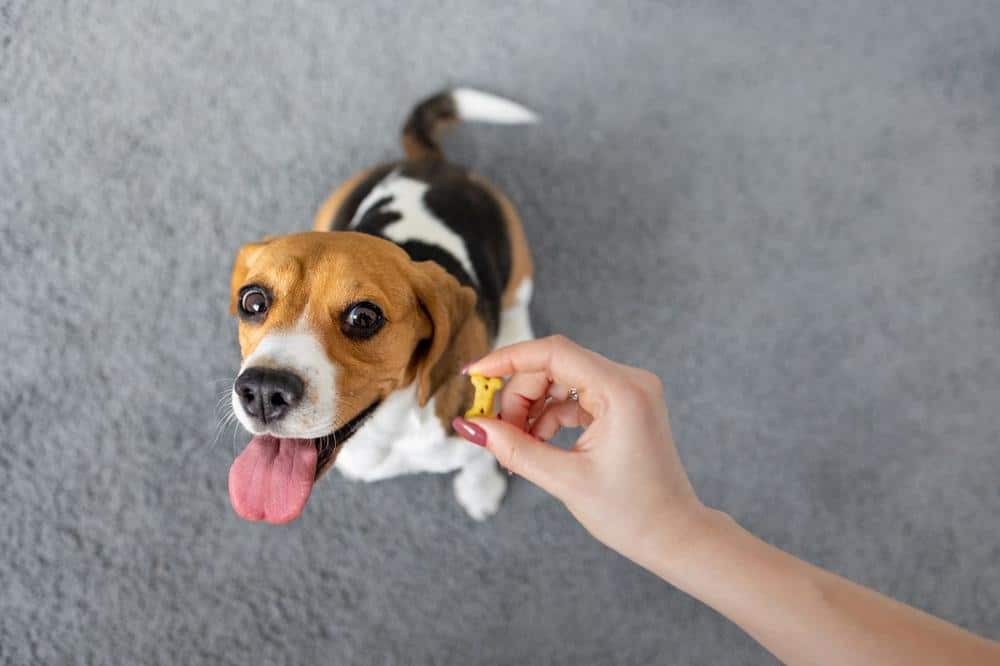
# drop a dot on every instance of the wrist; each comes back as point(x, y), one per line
point(676, 549)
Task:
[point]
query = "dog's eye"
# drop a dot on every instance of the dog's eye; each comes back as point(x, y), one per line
point(361, 321)
point(254, 302)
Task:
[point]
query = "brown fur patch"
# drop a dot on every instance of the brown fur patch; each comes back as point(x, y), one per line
point(244, 261)
point(455, 392)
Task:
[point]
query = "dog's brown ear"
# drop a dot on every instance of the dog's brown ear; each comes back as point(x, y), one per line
point(244, 260)
point(447, 305)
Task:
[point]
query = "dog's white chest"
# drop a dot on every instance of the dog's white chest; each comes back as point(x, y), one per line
point(401, 438)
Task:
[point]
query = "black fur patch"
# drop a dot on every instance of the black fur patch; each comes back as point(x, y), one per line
point(354, 199)
point(426, 118)
point(462, 205)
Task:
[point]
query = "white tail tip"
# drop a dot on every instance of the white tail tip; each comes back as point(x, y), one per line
point(479, 106)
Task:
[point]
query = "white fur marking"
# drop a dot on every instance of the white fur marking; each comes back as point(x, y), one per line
point(480, 486)
point(400, 437)
point(515, 321)
point(297, 351)
point(403, 438)
point(480, 106)
point(416, 223)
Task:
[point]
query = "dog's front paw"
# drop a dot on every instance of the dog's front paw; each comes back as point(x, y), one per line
point(480, 488)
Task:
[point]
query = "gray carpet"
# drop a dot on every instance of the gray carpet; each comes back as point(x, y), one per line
point(790, 213)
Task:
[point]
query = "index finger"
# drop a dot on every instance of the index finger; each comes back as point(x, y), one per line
point(560, 358)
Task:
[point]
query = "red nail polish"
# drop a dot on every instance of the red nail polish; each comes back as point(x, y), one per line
point(469, 431)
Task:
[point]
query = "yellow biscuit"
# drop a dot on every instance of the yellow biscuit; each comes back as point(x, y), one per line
point(482, 403)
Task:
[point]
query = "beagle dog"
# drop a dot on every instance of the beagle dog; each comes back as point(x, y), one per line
point(352, 335)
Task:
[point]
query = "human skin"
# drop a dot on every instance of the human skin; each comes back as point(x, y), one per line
point(624, 482)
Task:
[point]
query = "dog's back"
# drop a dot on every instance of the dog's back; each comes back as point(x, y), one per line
point(438, 211)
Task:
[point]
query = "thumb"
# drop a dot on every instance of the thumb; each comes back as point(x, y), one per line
point(546, 466)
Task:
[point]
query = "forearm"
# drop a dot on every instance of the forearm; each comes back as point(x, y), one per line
point(803, 614)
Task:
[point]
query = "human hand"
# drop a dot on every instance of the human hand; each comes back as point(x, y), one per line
point(623, 479)
point(624, 482)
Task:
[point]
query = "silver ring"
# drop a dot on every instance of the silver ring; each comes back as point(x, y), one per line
point(574, 394)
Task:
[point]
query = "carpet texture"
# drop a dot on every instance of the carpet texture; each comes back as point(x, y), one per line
point(790, 212)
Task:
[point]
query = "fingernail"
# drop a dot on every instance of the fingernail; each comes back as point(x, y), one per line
point(469, 431)
point(465, 368)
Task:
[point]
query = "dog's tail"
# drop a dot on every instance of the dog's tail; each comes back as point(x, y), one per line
point(436, 113)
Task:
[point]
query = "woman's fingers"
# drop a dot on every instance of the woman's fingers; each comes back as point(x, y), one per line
point(560, 359)
point(557, 415)
point(543, 464)
point(525, 396)
point(558, 392)
point(519, 396)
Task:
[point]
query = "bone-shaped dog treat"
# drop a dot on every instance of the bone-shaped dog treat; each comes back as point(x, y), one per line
point(482, 402)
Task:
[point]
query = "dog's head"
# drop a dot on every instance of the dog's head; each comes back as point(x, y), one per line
point(330, 323)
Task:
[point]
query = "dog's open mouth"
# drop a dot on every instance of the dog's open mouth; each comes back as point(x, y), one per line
point(273, 477)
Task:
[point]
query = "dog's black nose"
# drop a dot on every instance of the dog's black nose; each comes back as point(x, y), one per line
point(268, 394)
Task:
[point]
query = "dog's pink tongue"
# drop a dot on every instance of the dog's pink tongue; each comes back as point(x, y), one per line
point(272, 478)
